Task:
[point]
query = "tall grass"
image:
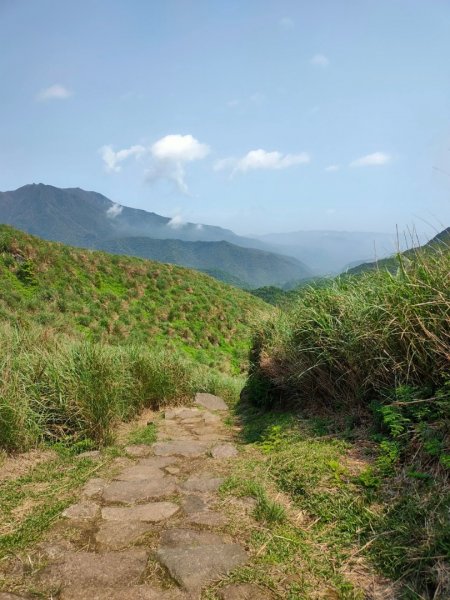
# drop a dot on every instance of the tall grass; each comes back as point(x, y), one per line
point(56, 388)
point(361, 335)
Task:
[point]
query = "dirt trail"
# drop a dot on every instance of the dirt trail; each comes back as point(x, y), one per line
point(152, 532)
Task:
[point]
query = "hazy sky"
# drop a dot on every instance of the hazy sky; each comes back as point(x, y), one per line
point(255, 115)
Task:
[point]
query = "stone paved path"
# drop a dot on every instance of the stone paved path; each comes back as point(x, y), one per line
point(152, 532)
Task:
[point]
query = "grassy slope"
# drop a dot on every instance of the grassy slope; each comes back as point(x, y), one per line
point(122, 300)
point(369, 356)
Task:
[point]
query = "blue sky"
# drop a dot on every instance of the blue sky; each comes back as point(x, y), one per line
point(259, 115)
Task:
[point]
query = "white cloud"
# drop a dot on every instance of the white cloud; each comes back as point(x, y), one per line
point(286, 23)
point(320, 60)
point(332, 168)
point(199, 226)
point(113, 159)
point(224, 164)
point(371, 160)
point(260, 159)
point(176, 222)
point(114, 210)
point(170, 154)
point(54, 92)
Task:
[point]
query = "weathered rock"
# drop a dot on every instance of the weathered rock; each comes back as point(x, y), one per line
point(158, 462)
point(83, 511)
point(129, 492)
point(136, 592)
point(193, 504)
point(94, 487)
point(210, 402)
point(186, 448)
point(188, 538)
point(210, 418)
point(138, 450)
point(202, 484)
point(140, 473)
point(207, 518)
point(54, 550)
point(244, 591)
point(122, 462)
point(7, 596)
point(195, 558)
point(172, 470)
point(116, 535)
point(181, 412)
point(224, 451)
point(148, 513)
point(89, 569)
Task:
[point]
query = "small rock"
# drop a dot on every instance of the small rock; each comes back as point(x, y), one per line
point(138, 450)
point(129, 492)
point(83, 511)
point(90, 569)
point(94, 487)
point(92, 454)
point(210, 402)
point(224, 451)
point(193, 504)
point(148, 513)
point(202, 484)
point(140, 473)
point(115, 535)
point(172, 470)
point(244, 591)
point(186, 448)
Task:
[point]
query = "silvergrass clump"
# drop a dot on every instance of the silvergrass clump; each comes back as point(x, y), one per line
point(359, 336)
point(54, 388)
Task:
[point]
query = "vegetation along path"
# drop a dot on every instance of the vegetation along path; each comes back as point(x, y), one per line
point(152, 531)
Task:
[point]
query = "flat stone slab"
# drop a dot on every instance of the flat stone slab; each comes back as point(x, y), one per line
point(194, 560)
point(94, 487)
point(207, 518)
point(91, 454)
point(136, 592)
point(138, 450)
point(90, 569)
point(129, 492)
point(148, 513)
point(244, 591)
point(210, 402)
point(182, 413)
point(202, 484)
point(193, 504)
point(116, 535)
point(140, 473)
point(158, 462)
point(7, 596)
point(186, 448)
point(83, 511)
point(224, 451)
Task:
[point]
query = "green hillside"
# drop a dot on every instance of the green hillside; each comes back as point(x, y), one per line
point(123, 300)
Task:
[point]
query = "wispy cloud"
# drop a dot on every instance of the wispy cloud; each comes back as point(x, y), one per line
point(320, 60)
point(170, 155)
point(286, 23)
point(371, 160)
point(261, 159)
point(54, 92)
point(114, 210)
point(113, 159)
point(332, 168)
point(166, 158)
point(176, 222)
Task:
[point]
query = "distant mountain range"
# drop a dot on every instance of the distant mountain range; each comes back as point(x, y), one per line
point(88, 219)
point(392, 263)
point(331, 252)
